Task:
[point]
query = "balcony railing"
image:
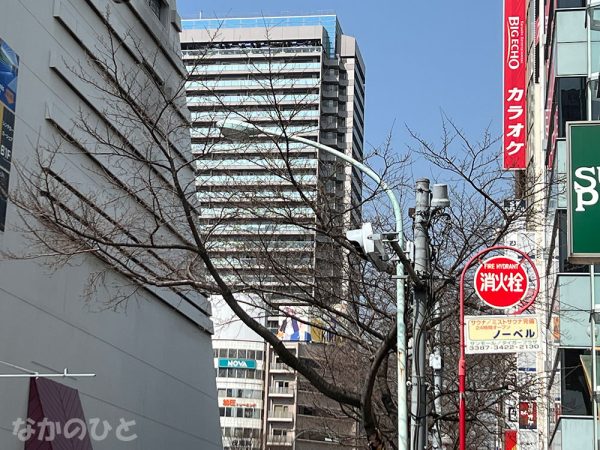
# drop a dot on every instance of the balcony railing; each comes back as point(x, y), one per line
point(279, 415)
point(279, 440)
point(281, 391)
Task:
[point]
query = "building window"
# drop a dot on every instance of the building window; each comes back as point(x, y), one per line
point(575, 392)
point(156, 7)
point(570, 4)
point(571, 98)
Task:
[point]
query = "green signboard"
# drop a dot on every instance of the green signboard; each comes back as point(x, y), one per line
point(237, 363)
point(583, 191)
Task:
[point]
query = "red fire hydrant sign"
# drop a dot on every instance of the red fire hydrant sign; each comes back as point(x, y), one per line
point(501, 282)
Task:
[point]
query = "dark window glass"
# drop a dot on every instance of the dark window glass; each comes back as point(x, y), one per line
point(248, 412)
point(222, 353)
point(259, 355)
point(222, 372)
point(242, 354)
point(251, 354)
point(570, 3)
point(221, 412)
point(571, 101)
point(228, 412)
point(575, 393)
point(239, 412)
point(232, 353)
point(155, 7)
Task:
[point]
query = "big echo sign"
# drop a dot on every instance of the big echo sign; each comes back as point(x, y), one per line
point(501, 282)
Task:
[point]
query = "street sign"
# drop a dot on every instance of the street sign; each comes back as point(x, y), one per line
point(514, 205)
point(502, 334)
point(583, 197)
point(501, 282)
point(528, 415)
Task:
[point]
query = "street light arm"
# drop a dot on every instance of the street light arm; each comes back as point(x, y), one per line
point(367, 170)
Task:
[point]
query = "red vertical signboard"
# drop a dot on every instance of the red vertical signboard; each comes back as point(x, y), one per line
point(510, 440)
point(515, 89)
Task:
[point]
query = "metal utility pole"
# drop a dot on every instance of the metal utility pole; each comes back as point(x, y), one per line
point(422, 263)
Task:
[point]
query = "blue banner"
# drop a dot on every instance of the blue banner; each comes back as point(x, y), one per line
point(9, 71)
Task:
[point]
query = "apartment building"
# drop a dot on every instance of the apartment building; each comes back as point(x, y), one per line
point(298, 75)
point(152, 354)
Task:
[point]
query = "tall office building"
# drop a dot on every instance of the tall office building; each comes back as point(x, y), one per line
point(154, 386)
point(260, 200)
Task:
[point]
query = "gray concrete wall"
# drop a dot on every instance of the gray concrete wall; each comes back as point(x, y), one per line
point(152, 355)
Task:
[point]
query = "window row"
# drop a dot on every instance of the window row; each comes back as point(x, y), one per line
point(241, 432)
point(246, 413)
point(256, 113)
point(245, 148)
point(238, 353)
point(253, 180)
point(215, 131)
point(299, 99)
point(240, 393)
point(257, 67)
point(263, 84)
point(244, 196)
point(248, 374)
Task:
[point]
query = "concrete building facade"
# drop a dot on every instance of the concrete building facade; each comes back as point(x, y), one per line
point(152, 354)
point(302, 76)
point(571, 67)
point(563, 68)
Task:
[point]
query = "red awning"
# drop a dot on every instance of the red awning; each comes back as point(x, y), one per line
point(51, 407)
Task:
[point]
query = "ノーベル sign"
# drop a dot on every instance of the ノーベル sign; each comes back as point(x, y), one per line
point(515, 86)
point(502, 334)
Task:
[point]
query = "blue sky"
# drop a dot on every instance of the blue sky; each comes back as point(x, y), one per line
point(421, 58)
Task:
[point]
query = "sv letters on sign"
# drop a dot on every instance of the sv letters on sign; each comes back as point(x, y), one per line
point(585, 189)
